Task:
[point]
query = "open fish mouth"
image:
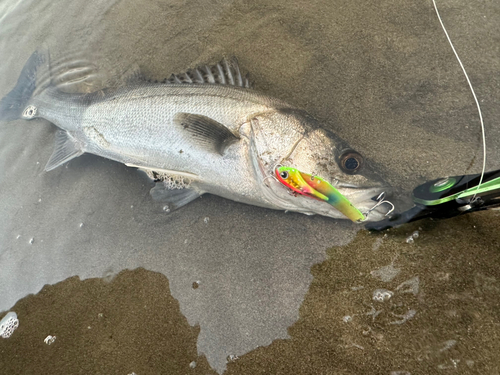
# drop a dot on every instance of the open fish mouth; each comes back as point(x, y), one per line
point(317, 188)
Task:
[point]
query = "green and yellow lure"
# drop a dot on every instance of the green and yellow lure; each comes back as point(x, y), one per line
point(317, 188)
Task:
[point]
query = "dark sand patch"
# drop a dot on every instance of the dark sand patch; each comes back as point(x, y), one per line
point(131, 324)
point(456, 325)
point(448, 277)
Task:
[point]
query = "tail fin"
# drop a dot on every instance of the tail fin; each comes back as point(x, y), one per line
point(16, 101)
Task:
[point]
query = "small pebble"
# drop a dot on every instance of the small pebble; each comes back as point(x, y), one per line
point(8, 324)
point(49, 339)
point(381, 295)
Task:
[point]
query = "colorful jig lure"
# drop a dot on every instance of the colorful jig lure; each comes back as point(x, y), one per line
point(317, 188)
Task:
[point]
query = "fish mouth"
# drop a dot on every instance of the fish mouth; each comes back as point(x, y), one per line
point(358, 205)
point(360, 197)
point(317, 188)
point(279, 196)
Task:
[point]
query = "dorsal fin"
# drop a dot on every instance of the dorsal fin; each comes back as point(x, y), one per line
point(226, 72)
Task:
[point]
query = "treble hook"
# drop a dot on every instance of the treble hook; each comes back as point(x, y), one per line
point(272, 175)
point(380, 201)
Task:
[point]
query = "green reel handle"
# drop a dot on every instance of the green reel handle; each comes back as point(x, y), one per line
point(462, 188)
point(447, 197)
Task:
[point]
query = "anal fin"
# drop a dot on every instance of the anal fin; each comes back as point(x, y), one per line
point(174, 198)
point(66, 148)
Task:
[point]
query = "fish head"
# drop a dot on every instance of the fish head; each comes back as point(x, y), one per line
point(294, 139)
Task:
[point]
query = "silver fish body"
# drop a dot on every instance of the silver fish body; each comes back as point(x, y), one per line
point(198, 137)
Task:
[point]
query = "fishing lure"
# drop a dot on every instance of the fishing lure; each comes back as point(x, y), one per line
point(317, 188)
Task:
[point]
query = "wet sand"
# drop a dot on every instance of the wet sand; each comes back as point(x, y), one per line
point(380, 75)
point(131, 323)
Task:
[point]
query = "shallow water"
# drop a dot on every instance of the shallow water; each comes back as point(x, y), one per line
point(381, 76)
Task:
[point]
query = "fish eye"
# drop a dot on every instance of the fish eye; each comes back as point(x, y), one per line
point(351, 162)
point(284, 175)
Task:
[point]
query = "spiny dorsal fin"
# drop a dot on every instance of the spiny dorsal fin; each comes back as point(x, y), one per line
point(226, 72)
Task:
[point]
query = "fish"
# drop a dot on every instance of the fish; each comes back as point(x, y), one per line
point(202, 131)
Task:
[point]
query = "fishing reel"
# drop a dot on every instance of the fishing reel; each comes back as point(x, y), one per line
point(447, 197)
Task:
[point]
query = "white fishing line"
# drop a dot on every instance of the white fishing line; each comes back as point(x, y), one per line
point(473, 94)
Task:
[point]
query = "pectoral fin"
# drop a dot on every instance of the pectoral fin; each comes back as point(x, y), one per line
point(66, 148)
point(205, 132)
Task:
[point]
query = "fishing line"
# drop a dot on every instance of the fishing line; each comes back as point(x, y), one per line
point(473, 94)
